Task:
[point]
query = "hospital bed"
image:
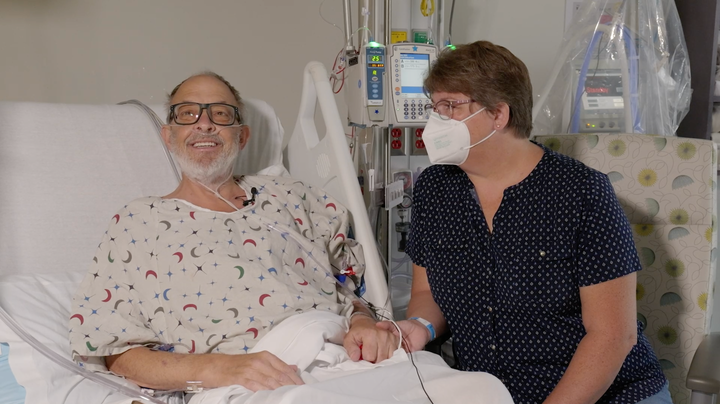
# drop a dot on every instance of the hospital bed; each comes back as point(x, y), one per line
point(66, 169)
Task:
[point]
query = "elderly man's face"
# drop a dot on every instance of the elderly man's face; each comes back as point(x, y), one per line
point(205, 151)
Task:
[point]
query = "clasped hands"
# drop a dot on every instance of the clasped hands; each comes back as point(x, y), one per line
point(366, 339)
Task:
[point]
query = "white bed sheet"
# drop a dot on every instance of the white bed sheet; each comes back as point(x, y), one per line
point(312, 341)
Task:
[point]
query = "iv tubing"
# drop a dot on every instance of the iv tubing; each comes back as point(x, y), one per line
point(70, 365)
point(365, 17)
point(348, 26)
point(285, 234)
point(158, 125)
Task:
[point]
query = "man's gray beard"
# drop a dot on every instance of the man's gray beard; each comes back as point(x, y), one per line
point(211, 175)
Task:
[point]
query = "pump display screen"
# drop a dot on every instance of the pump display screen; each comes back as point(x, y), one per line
point(413, 67)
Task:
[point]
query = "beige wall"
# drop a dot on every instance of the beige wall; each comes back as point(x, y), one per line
point(105, 51)
point(531, 29)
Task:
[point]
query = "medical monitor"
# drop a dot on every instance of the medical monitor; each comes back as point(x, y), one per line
point(601, 106)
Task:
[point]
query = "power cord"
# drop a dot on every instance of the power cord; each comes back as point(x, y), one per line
point(410, 354)
point(417, 370)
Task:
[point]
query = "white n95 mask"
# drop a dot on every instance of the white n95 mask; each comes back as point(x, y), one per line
point(448, 141)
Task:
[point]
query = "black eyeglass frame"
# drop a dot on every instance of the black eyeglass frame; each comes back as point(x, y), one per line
point(206, 107)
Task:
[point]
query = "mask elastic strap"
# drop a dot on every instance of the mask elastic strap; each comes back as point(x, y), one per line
point(481, 140)
point(476, 112)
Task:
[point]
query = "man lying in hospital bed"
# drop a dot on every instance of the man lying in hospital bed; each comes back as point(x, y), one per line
point(253, 275)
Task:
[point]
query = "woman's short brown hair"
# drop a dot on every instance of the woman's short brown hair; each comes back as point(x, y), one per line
point(489, 74)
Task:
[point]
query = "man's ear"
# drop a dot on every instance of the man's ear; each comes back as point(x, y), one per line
point(244, 136)
point(165, 133)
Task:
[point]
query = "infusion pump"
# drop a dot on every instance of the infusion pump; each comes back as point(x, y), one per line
point(408, 65)
point(385, 85)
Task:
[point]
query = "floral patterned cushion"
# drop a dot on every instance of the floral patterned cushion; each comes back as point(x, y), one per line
point(666, 186)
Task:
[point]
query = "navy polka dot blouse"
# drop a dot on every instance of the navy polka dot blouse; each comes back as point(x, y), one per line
point(512, 298)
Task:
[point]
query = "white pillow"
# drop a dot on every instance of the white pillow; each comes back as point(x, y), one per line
point(40, 303)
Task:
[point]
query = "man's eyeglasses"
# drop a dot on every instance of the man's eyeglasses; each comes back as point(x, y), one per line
point(444, 108)
point(188, 113)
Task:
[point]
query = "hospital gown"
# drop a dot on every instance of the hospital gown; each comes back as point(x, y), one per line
point(177, 277)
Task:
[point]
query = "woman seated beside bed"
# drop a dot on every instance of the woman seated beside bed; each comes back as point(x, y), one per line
point(525, 255)
point(184, 287)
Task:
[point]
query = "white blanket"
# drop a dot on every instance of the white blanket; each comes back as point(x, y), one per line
point(313, 342)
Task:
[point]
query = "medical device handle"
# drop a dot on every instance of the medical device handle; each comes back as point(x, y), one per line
point(70, 365)
point(316, 88)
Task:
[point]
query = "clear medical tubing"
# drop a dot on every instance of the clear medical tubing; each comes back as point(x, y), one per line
point(287, 235)
point(365, 18)
point(348, 26)
point(158, 126)
point(72, 366)
point(380, 312)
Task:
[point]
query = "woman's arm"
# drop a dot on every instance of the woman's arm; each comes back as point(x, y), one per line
point(610, 318)
point(422, 304)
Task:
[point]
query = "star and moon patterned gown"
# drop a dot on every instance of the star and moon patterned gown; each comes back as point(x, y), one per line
point(172, 276)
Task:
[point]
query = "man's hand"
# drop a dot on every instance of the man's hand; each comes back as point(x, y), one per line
point(367, 341)
point(415, 335)
point(256, 371)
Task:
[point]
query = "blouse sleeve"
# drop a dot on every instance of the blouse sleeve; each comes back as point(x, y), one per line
point(606, 249)
point(416, 235)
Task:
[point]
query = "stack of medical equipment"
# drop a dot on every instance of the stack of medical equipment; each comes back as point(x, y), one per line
point(381, 73)
point(623, 67)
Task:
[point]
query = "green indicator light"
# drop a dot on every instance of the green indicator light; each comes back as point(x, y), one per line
point(374, 45)
point(593, 126)
point(452, 47)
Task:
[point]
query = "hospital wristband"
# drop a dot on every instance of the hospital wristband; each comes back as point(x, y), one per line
point(427, 325)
